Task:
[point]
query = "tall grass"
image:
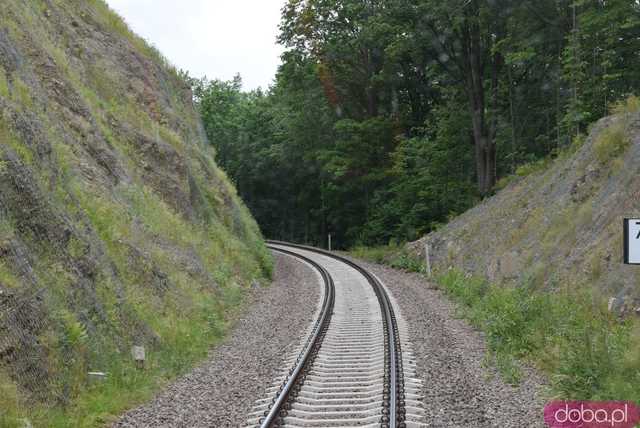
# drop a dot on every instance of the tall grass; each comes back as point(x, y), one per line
point(588, 353)
point(612, 141)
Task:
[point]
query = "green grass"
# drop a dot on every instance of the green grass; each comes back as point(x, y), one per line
point(4, 84)
point(614, 139)
point(7, 277)
point(8, 139)
point(113, 22)
point(586, 352)
point(533, 167)
point(393, 255)
point(21, 94)
point(10, 406)
point(374, 254)
point(195, 313)
point(185, 340)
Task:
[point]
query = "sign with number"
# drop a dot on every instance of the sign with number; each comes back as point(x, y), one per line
point(632, 241)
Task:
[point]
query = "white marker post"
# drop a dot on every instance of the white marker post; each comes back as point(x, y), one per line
point(138, 354)
point(632, 241)
point(329, 239)
point(427, 259)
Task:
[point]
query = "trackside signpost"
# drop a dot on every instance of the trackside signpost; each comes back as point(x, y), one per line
point(632, 241)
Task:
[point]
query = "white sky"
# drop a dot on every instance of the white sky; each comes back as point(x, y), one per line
point(216, 38)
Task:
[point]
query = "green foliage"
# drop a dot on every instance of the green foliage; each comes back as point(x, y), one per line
point(75, 334)
point(376, 128)
point(114, 22)
point(541, 165)
point(4, 84)
point(194, 310)
point(586, 351)
point(600, 63)
point(407, 261)
point(429, 180)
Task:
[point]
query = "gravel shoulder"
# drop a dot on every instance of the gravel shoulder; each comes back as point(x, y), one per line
point(459, 389)
point(222, 390)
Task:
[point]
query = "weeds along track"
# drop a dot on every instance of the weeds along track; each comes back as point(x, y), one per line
point(354, 366)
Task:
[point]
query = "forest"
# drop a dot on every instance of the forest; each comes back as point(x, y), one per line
point(388, 117)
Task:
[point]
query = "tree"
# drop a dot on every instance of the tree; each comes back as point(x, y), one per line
point(464, 36)
point(388, 116)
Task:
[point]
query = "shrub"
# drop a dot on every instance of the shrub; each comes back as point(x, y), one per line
point(626, 106)
point(407, 261)
point(611, 142)
point(532, 167)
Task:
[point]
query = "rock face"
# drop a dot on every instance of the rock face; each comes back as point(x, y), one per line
point(116, 226)
point(562, 225)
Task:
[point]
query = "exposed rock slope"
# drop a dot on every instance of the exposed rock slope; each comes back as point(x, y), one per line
point(562, 225)
point(116, 226)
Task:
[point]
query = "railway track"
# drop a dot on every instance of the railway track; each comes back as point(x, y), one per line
point(354, 366)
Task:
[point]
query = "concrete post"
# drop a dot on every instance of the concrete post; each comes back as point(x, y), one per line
point(427, 259)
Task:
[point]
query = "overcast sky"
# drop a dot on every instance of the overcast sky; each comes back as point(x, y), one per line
point(216, 38)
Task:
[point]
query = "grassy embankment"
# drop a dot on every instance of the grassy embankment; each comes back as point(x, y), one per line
point(142, 240)
point(587, 352)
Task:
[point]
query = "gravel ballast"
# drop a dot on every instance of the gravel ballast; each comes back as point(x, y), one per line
point(222, 390)
point(459, 389)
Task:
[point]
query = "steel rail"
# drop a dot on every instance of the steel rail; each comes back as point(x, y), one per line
point(394, 411)
point(291, 385)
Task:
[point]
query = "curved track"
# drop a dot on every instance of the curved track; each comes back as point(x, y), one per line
point(350, 369)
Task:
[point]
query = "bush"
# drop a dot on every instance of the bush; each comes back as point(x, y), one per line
point(532, 167)
point(407, 261)
point(627, 106)
point(611, 142)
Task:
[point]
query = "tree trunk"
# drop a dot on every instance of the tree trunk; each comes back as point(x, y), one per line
point(483, 134)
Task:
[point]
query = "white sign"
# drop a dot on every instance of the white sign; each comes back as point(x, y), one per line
point(137, 352)
point(632, 241)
